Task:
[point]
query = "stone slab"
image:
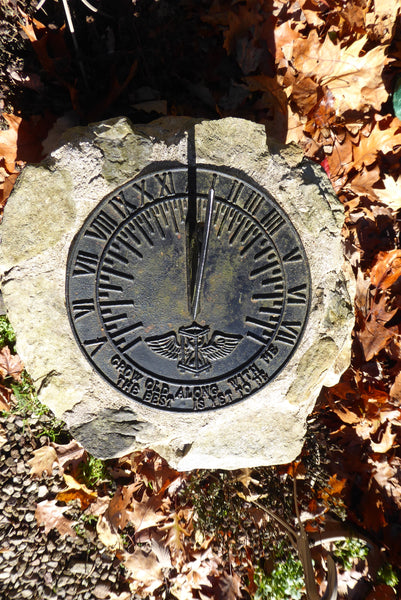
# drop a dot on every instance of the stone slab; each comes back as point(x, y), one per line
point(47, 208)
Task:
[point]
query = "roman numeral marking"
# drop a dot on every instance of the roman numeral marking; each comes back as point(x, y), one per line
point(266, 251)
point(108, 304)
point(85, 263)
point(297, 294)
point(111, 320)
point(114, 273)
point(293, 256)
point(272, 221)
point(235, 191)
point(166, 183)
point(239, 228)
point(93, 346)
point(272, 266)
point(288, 332)
point(158, 224)
point(173, 217)
point(267, 296)
point(101, 227)
point(114, 254)
point(120, 335)
point(270, 310)
point(253, 203)
point(253, 240)
point(82, 307)
point(141, 188)
point(265, 325)
point(105, 287)
point(122, 206)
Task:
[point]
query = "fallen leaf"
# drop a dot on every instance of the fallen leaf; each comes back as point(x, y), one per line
point(76, 491)
point(226, 586)
point(146, 514)
point(144, 569)
point(386, 270)
point(69, 455)
point(51, 516)
point(346, 415)
point(117, 510)
point(354, 79)
point(22, 140)
point(107, 535)
point(43, 460)
point(384, 137)
point(10, 364)
point(391, 193)
point(386, 442)
point(374, 336)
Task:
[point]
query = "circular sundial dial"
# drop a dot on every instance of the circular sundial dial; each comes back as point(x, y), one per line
point(188, 288)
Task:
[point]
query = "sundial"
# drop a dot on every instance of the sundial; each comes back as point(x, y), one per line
point(188, 288)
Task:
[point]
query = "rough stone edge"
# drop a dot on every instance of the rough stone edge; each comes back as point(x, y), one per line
point(151, 131)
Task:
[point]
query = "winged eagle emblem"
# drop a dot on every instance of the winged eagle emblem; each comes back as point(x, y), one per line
point(193, 348)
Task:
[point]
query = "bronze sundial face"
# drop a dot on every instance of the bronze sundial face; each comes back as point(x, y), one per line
point(188, 289)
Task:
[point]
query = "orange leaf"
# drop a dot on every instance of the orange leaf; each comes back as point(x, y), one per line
point(384, 137)
point(22, 141)
point(8, 141)
point(336, 485)
point(346, 416)
point(387, 269)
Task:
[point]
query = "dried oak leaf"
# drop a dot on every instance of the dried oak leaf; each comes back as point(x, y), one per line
point(10, 364)
point(144, 569)
point(43, 460)
point(387, 269)
point(391, 194)
point(384, 137)
point(51, 516)
point(117, 513)
point(386, 442)
point(374, 336)
point(226, 586)
point(147, 513)
point(355, 81)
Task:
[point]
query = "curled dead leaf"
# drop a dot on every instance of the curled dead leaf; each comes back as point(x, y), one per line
point(49, 514)
point(43, 460)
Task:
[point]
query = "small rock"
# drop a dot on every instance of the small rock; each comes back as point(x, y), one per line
point(42, 493)
point(79, 568)
point(8, 489)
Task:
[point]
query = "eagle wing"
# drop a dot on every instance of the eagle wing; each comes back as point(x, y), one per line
point(220, 345)
point(165, 345)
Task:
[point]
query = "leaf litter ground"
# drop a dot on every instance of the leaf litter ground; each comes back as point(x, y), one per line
point(319, 73)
